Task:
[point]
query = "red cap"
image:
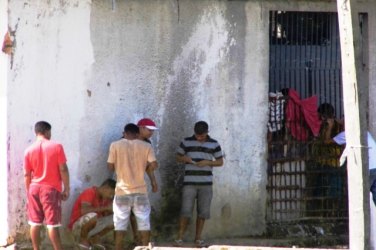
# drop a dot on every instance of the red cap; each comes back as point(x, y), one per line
point(148, 123)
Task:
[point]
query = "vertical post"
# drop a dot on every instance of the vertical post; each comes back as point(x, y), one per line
point(309, 65)
point(355, 100)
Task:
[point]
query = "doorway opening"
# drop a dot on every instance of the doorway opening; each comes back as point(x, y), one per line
point(305, 179)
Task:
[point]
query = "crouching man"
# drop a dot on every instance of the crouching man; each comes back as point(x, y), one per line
point(91, 216)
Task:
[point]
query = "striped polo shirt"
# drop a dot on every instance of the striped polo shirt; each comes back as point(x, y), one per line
point(198, 151)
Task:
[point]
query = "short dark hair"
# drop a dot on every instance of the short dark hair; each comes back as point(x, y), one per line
point(109, 183)
point(326, 109)
point(131, 128)
point(42, 127)
point(201, 127)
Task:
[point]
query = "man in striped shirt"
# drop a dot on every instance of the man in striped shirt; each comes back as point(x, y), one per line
point(200, 153)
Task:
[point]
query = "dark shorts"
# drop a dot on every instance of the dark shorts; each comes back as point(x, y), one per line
point(203, 194)
point(44, 205)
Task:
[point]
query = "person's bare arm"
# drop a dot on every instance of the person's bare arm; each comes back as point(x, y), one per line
point(27, 179)
point(64, 173)
point(152, 166)
point(183, 159)
point(186, 159)
point(150, 172)
point(153, 180)
point(327, 133)
point(111, 166)
point(216, 163)
point(88, 208)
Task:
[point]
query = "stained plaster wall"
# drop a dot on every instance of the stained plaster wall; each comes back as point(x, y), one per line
point(3, 131)
point(89, 67)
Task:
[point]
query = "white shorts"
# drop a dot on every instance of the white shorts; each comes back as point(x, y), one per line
point(139, 204)
point(102, 223)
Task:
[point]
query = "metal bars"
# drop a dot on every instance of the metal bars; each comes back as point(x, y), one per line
point(305, 57)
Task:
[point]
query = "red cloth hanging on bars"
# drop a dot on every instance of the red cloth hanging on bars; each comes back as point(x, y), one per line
point(301, 116)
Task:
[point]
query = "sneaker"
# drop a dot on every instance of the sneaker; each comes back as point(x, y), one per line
point(178, 243)
point(200, 243)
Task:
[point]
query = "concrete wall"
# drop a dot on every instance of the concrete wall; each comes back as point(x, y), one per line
point(89, 67)
point(4, 232)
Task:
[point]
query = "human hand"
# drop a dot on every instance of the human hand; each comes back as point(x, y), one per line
point(65, 194)
point(108, 210)
point(188, 160)
point(105, 210)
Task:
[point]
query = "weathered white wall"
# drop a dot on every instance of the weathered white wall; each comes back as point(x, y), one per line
point(4, 232)
point(89, 67)
point(181, 64)
point(47, 81)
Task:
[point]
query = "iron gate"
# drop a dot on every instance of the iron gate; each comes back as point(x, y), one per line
point(305, 65)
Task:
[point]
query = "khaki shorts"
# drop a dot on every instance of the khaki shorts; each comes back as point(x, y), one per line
point(102, 223)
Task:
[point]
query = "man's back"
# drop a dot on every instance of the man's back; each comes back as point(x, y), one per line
point(45, 173)
point(130, 158)
point(43, 158)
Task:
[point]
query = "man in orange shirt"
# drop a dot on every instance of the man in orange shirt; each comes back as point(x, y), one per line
point(130, 158)
point(45, 171)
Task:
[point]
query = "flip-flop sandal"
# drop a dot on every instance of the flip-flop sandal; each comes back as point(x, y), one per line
point(178, 243)
point(99, 246)
point(200, 243)
point(82, 246)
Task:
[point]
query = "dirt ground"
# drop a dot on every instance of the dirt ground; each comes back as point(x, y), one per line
point(242, 243)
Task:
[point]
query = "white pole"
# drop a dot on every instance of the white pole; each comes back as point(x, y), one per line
point(355, 103)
